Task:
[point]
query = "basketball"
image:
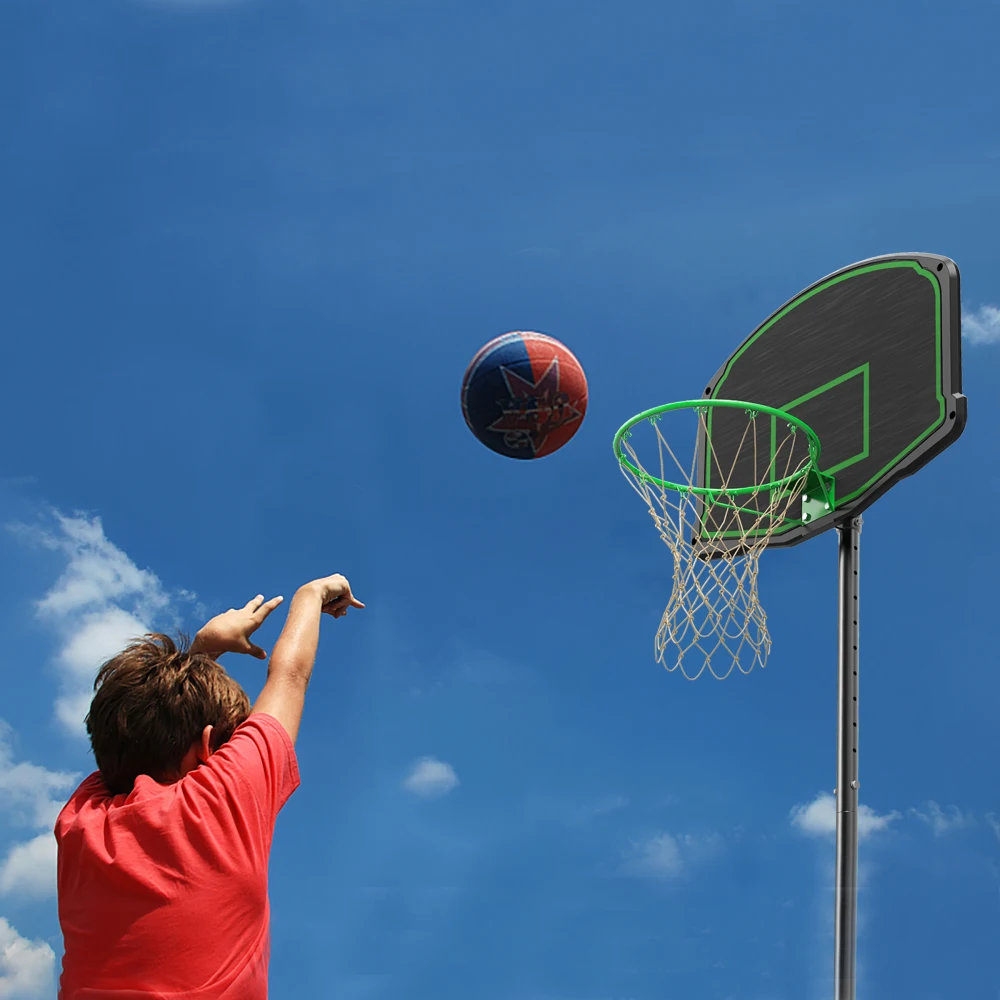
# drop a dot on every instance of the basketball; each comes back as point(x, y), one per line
point(524, 395)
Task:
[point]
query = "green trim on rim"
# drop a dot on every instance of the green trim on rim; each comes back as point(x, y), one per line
point(625, 432)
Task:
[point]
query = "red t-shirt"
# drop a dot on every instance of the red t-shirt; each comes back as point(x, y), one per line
point(163, 891)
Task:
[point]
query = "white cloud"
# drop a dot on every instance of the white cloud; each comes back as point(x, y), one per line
point(100, 602)
point(431, 778)
point(29, 870)
point(30, 796)
point(982, 326)
point(97, 637)
point(27, 968)
point(942, 822)
point(659, 857)
point(72, 709)
point(666, 855)
point(97, 573)
point(819, 817)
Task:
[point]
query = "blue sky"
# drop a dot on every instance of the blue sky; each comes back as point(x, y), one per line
point(248, 249)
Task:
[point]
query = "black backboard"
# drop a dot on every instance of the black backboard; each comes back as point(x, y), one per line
point(870, 358)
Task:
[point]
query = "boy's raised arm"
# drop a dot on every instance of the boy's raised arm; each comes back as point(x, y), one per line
point(294, 653)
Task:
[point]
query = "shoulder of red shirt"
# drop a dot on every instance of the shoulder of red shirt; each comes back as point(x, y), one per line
point(93, 787)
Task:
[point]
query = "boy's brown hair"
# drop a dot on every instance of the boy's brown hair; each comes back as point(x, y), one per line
point(151, 703)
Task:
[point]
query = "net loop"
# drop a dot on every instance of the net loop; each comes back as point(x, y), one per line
point(717, 525)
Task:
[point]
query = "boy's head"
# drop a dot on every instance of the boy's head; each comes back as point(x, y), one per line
point(152, 706)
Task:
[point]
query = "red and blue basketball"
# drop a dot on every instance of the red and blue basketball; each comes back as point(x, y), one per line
point(524, 395)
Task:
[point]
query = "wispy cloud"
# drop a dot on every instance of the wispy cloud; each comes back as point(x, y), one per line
point(430, 778)
point(666, 855)
point(601, 807)
point(97, 571)
point(100, 602)
point(994, 823)
point(943, 821)
point(27, 968)
point(819, 817)
point(982, 326)
point(30, 796)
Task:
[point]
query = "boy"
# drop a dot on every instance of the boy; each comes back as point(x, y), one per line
point(163, 852)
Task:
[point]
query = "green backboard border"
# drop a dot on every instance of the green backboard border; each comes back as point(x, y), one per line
point(949, 421)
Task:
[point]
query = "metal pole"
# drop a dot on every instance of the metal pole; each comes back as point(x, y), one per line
point(846, 896)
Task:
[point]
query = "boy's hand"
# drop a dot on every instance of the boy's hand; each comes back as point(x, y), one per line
point(230, 632)
point(294, 654)
point(335, 595)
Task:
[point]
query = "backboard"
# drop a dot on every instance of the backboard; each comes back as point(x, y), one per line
point(870, 358)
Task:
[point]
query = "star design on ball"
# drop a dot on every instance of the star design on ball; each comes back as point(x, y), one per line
point(533, 410)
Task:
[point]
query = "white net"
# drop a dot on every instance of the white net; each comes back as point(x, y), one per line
point(714, 618)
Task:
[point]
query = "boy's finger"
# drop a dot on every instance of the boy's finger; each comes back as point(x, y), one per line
point(254, 603)
point(355, 602)
point(257, 652)
point(265, 609)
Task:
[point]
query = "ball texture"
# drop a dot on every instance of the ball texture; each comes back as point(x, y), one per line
point(524, 395)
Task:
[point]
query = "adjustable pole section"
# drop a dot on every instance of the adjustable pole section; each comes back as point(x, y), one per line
point(846, 896)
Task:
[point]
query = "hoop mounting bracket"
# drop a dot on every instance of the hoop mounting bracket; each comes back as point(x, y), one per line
point(817, 497)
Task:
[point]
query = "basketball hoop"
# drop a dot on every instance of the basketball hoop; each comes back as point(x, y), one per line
point(870, 357)
point(717, 520)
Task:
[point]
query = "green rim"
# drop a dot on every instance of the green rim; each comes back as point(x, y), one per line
point(625, 432)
